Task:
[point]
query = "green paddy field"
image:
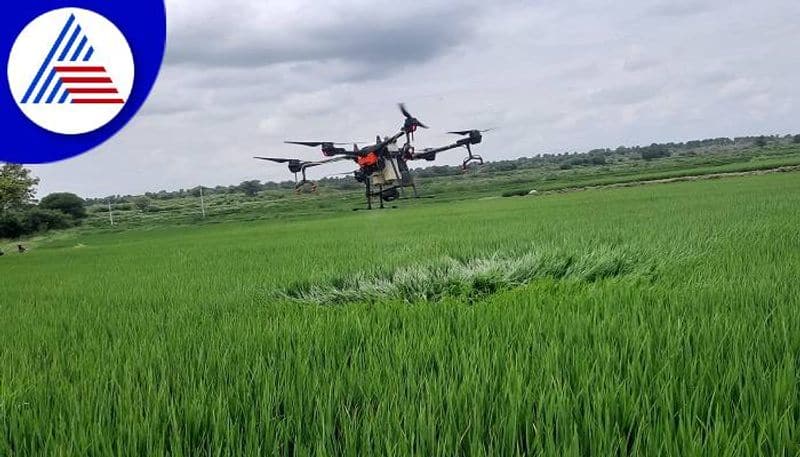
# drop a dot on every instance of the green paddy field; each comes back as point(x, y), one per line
point(652, 320)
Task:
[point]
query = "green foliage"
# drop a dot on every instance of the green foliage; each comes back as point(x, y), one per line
point(468, 280)
point(67, 203)
point(39, 220)
point(655, 152)
point(166, 341)
point(796, 139)
point(250, 188)
point(17, 187)
point(142, 203)
point(11, 225)
point(14, 224)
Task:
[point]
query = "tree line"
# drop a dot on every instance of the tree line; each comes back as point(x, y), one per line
point(21, 215)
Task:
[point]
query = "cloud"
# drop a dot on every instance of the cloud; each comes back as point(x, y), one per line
point(626, 94)
point(374, 36)
point(242, 76)
point(681, 8)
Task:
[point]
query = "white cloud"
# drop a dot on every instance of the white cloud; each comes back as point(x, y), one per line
point(242, 76)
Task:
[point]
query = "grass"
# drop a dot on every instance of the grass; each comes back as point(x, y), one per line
point(467, 280)
point(170, 341)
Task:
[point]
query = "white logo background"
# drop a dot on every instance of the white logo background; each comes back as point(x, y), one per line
point(111, 50)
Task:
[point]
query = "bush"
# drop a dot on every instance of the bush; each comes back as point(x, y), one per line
point(655, 152)
point(11, 225)
point(67, 203)
point(33, 220)
point(41, 220)
point(142, 204)
point(597, 160)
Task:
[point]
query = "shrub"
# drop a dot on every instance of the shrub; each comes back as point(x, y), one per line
point(655, 152)
point(597, 160)
point(41, 220)
point(67, 203)
point(11, 225)
point(142, 204)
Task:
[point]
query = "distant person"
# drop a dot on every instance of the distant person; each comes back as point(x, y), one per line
point(22, 249)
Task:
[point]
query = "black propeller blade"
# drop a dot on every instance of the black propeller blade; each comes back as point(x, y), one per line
point(469, 132)
point(404, 110)
point(314, 144)
point(414, 121)
point(276, 159)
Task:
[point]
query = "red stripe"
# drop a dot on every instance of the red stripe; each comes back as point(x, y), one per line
point(73, 90)
point(85, 80)
point(81, 69)
point(98, 101)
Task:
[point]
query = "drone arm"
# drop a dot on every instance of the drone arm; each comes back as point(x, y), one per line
point(390, 140)
point(325, 162)
point(431, 152)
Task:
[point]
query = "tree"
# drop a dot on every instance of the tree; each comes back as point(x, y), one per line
point(761, 141)
point(67, 203)
point(17, 187)
point(796, 139)
point(250, 188)
point(597, 159)
point(142, 203)
point(11, 225)
point(655, 151)
point(41, 220)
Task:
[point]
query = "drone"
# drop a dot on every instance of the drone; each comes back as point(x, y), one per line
point(383, 166)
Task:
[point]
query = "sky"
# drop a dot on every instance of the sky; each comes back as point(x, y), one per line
point(242, 76)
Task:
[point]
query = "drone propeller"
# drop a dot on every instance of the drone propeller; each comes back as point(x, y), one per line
point(470, 132)
point(276, 159)
point(314, 144)
point(411, 124)
point(411, 120)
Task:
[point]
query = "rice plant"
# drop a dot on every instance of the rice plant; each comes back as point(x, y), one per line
point(468, 280)
point(659, 320)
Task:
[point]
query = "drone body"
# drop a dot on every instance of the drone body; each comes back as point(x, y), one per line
point(383, 166)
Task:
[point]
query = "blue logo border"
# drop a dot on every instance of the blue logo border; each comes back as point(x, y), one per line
point(144, 24)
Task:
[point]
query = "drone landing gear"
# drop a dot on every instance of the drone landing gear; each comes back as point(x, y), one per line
point(384, 195)
point(306, 187)
point(414, 188)
point(301, 185)
point(465, 165)
point(369, 195)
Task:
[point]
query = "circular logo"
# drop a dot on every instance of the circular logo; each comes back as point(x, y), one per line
point(71, 71)
point(77, 71)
